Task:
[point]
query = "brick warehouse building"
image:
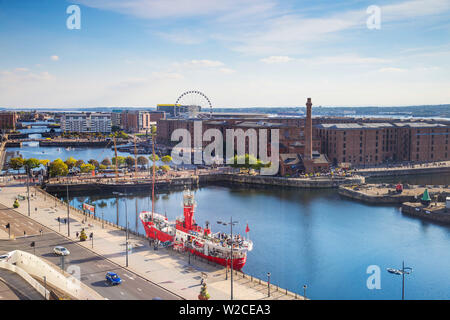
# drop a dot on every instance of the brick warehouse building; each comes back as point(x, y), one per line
point(366, 143)
point(291, 130)
point(8, 120)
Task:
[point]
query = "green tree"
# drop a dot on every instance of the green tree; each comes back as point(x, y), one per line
point(129, 161)
point(141, 160)
point(106, 162)
point(166, 159)
point(94, 163)
point(102, 167)
point(156, 158)
point(121, 135)
point(87, 167)
point(120, 161)
point(246, 161)
point(16, 163)
point(58, 168)
point(31, 164)
point(44, 162)
point(70, 162)
point(79, 163)
point(165, 168)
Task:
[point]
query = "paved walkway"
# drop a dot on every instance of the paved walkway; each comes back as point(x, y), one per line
point(165, 267)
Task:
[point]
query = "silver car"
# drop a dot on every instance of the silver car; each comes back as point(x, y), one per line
point(61, 251)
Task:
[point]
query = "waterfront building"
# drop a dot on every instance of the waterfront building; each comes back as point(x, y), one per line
point(8, 120)
point(135, 121)
point(100, 122)
point(116, 117)
point(86, 122)
point(373, 143)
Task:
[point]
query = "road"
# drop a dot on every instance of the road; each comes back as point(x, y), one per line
point(14, 287)
point(93, 267)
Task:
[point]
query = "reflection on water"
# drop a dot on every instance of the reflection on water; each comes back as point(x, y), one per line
point(311, 237)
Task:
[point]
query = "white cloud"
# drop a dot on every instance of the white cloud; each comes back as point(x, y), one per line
point(276, 59)
point(227, 70)
point(160, 9)
point(167, 75)
point(22, 76)
point(54, 58)
point(392, 69)
point(204, 63)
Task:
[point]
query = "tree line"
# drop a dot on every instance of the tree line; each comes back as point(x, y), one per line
point(59, 167)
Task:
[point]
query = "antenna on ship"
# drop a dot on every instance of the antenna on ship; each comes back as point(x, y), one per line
point(153, 129)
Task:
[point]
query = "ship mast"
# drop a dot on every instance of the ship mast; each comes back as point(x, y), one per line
point(135, 159)
point(115, 152)
point(154, 160)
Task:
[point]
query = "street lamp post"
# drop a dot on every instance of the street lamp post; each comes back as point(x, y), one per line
point(405, 270)
point(304, 291)
point(231, 223)
point(126, 245)
point(28, 191)
point(68, 219)
point(268, 284)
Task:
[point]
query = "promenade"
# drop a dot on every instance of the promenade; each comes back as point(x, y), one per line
point(176, 272)
point(404, 169)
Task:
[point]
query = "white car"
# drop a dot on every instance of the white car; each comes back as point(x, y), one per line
point(61, 251)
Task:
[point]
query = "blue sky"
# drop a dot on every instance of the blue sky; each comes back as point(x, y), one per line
point(238, 52)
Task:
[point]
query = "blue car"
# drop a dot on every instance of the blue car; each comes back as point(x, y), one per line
point(113, 278)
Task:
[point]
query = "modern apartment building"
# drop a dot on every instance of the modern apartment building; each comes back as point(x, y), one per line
point(86, 122)
point(116, 118)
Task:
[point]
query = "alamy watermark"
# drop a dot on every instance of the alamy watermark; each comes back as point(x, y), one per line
point(235, 140)
point(374, 280)
point(374, 20)
point(74, 20)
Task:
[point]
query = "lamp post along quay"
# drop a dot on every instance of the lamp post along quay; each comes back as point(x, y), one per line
point(231, 223)
point(68, 219)
point(402, 272)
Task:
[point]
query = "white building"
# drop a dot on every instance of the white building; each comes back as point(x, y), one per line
point(86, 122)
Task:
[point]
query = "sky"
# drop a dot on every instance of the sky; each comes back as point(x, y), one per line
point(239, 53)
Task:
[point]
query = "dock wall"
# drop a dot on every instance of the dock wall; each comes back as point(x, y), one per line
point(391, 172)
point(421, 212)
point(202, 180)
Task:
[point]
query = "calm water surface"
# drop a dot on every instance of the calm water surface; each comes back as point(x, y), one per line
point(311, 237)
point(315, 238)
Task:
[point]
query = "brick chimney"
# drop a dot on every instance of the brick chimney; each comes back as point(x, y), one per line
point(308, 131)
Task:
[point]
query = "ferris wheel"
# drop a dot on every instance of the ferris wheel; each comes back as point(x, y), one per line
point(192, 98)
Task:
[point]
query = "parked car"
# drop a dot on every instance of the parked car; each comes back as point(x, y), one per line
point(61, 251)
point(113, 278)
